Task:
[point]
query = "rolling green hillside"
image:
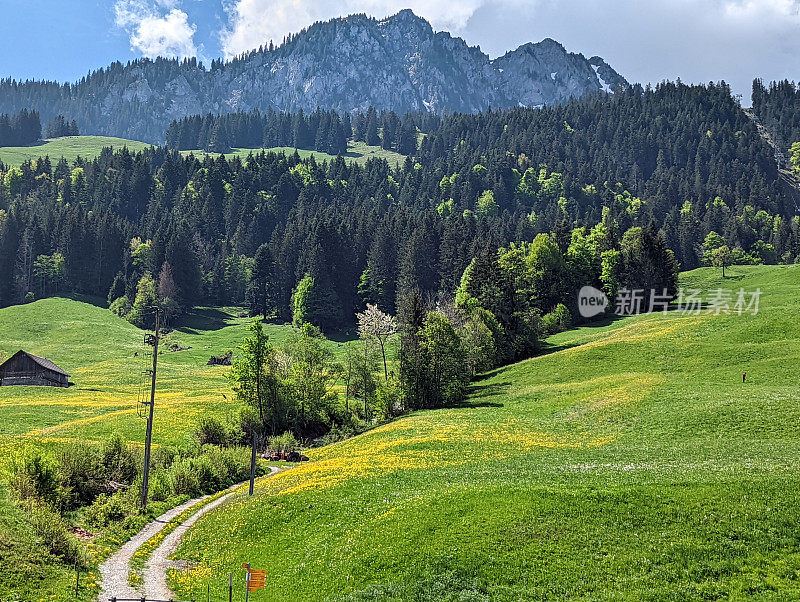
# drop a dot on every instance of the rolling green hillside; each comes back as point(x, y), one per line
point(88, 147)
point(105, 356)
point(358, 152)
point(69, 147)
point(630, 461)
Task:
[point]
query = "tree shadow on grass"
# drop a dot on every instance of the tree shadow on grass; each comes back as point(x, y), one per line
point(40, 142)
point(204, 320)
point(88, 299)
point(480, 404)
point(342, 336)
point(477, 392)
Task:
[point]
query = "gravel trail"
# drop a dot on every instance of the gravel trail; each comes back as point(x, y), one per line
point(114, 571)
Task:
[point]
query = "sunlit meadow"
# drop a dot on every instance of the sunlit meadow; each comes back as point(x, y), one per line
point(628, 461)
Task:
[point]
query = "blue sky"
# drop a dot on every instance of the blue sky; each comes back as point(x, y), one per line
point(65, 39)
point(645, 40)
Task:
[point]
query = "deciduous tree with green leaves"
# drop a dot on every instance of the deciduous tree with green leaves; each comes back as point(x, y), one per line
point(312, 376)
point(721, 258)
point(794, 158)
point(256, 380)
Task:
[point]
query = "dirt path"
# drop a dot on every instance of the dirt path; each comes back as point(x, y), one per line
point(155, 571)
point(114, 571)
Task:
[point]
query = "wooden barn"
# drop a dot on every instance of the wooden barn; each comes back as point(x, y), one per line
point(24, 368)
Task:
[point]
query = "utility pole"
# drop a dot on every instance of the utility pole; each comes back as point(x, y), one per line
point(253, 464)
point(149, 436)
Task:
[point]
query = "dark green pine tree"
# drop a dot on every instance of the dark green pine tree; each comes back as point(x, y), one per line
point(180, 255)
point(380, 283)
point(117, 289)
point(260, 289)
point(371, 135)
point(418, 267)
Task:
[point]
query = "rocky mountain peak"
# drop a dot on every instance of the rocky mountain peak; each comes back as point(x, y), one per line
point(346, 64)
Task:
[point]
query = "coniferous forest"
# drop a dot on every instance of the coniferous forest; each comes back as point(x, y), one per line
point(778, 107)
point(673, 164)
point(324, 131)
point(18, 130)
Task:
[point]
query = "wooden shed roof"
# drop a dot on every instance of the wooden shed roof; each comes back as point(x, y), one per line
point(43, 362)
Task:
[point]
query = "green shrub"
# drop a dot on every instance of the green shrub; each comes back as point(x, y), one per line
point(163, 456)
point(121, 306)
point(211, 431)
point(106, 509)
point(80, 475)
point(388, 399)
point(215, 469)
point(160, 485)
point(224, 464)
point(237, 463)
point(35, 476)
point(190, 447)
point(208, 476)
point(54, 533)
point(556, 321)
point(119, 460)
point(183, 476)
point(285, 443)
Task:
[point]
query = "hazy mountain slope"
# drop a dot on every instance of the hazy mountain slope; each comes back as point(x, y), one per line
point(545, 73)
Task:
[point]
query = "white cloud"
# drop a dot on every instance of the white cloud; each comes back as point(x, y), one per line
point(754, 9)
point(254, 22)
point(156, 28)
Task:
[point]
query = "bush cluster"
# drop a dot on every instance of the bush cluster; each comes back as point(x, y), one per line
point(76, 475)
point(103, 483)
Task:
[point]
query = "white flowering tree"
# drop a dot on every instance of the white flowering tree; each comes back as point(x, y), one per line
point(373, 323)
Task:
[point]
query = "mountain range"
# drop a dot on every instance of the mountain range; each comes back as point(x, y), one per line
point(399, 63)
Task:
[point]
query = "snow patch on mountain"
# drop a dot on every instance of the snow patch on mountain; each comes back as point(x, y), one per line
point(603, 84)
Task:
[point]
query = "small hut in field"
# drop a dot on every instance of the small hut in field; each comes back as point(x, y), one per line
point(24, 368)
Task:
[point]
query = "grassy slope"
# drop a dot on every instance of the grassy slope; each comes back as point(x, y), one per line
point(88, 147)
point(69, 147)
point(97, 349)
point(358, 152)
point(631, 462)
point(22, 560)
point(105, 356)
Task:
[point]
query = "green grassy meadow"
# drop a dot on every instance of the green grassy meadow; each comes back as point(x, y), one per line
point(105, 356)
point(89, 147)
point(629, 461)
point(358, 152)
point(69, 147)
